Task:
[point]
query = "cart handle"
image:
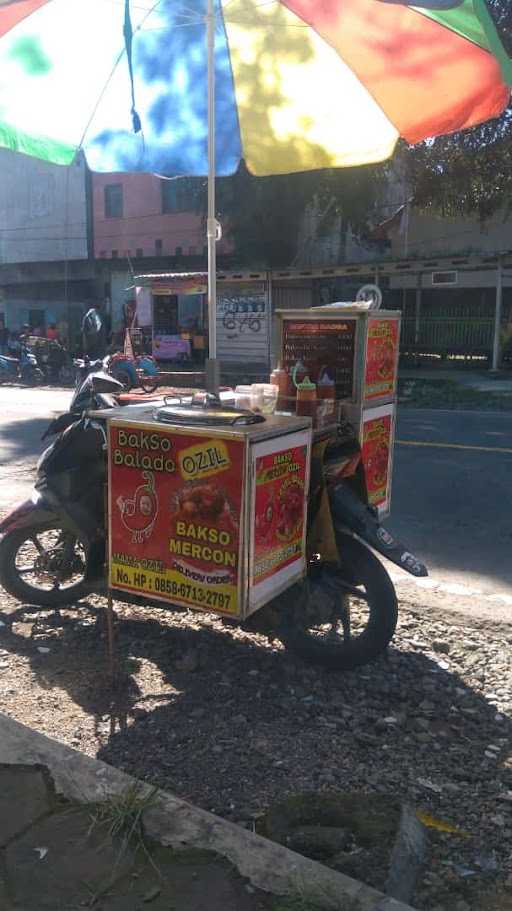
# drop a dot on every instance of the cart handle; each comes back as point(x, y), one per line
point(250, 417)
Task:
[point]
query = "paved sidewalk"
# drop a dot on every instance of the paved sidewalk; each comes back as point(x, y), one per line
point(58, 810)
point(56, 858)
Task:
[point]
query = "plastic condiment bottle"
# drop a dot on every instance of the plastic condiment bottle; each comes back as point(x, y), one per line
point(326, 388)
point(279, 377)
point(299, 373)
point(306, 398)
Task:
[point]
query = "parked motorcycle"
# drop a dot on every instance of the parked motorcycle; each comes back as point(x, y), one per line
point(52, 550)
point(55, 363)
point(23, 368)
point(83, 366)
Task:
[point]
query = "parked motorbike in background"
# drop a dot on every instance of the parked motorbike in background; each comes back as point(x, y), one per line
point(55, 363)
point(83, 366)
point(23, 368)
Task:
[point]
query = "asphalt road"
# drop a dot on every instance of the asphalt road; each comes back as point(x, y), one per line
point(452, 502)
point(24, 416)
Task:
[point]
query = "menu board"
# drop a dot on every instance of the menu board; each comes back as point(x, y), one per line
point(381, 358)
point(322, 344)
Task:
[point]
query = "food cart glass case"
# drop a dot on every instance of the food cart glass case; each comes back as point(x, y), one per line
point(358, 349)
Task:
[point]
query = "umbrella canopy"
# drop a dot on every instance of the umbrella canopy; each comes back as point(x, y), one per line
point(300, 84)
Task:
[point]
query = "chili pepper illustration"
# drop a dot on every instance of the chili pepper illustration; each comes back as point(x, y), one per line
point(291, 510)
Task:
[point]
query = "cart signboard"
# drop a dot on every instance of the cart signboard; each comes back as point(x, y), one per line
point(381, 358)
point(278, 528)
point(176, 515)
point(377, 449)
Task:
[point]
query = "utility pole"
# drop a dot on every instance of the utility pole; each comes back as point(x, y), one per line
point(496, 348)
point(212, 364)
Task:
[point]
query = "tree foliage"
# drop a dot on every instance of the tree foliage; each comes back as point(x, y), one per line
point(468, 173)
point(264, 214)
point(465, 173)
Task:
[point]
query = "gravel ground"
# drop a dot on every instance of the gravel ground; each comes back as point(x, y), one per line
point(229, 721)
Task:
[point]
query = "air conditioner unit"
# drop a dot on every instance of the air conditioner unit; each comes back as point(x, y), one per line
point(445, 278)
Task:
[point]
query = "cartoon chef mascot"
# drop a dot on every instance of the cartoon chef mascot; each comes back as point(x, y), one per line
point(138, 513)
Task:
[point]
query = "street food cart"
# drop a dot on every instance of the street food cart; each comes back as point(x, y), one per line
point(172, 307)
point(355, 350)
point(225, 508)
point(207, 507)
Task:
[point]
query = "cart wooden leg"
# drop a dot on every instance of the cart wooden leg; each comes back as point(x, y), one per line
point(110, 639)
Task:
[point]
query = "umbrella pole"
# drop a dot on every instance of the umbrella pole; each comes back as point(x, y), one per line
point(212, 364)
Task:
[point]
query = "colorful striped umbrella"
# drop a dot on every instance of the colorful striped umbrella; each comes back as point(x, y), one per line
point(189, 87)
point(300, 84)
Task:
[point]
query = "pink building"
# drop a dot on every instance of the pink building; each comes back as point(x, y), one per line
point(141, 215)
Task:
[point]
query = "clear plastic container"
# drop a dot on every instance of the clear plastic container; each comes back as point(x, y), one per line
point(243, 397)
point(264, 397)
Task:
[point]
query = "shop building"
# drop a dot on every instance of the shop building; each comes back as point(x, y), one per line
point(46, 270)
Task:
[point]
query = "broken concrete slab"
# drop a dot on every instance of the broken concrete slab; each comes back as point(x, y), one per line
point(28, 788)
point(59, 861)
point(178, 824)
point(193, 885)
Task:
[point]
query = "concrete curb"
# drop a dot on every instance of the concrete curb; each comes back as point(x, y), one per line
point(178, 824)
point(408, 857)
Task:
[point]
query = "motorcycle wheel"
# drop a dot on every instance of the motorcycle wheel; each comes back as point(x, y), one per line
point(43, 565)
point(149, 383)
point(67, 376)
point(341, 617)
point(32, 377)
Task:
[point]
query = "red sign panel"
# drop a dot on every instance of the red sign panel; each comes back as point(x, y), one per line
point(376, 450)
point(279, 511)
point(381, 358)
point(175, 509)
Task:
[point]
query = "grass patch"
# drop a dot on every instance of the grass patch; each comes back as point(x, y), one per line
point(121, 815)
point(437, 393)
point(120, 820)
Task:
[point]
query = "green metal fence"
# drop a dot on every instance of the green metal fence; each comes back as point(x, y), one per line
point(448, 335)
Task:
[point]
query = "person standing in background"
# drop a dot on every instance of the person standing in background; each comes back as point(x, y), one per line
point(4, 336)
point(94, 332)
point(63, 333)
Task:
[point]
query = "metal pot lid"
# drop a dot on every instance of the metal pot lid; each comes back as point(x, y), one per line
point(209, 412)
